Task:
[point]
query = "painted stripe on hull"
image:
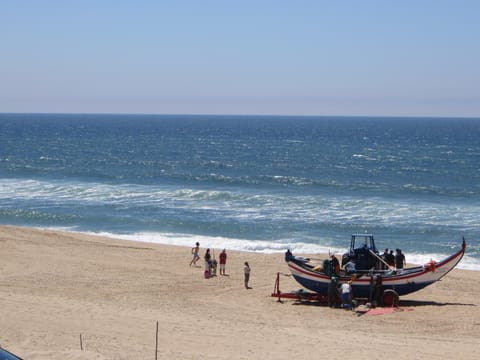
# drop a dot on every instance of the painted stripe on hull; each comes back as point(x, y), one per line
point(361, 291)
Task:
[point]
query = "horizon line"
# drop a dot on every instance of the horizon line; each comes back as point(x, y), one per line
point(244, 115)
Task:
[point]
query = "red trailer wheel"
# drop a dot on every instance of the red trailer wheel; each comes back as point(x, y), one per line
point(390, 298)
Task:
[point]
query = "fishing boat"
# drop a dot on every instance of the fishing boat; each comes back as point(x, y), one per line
point(372, 278)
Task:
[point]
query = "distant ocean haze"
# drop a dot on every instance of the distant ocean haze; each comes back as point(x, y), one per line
point(255, 183)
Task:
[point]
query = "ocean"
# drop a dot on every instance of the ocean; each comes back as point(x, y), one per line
point(252, 183)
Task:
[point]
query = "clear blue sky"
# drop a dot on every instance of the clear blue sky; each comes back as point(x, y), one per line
point(311, 57)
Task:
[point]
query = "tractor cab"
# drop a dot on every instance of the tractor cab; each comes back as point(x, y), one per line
point(363, 251)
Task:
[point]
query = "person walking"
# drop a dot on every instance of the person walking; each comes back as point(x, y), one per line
point(195, 251)
point(246, 271)
point(223, 262)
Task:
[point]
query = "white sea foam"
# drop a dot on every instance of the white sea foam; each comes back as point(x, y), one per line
point(327, 208)
point(269, 209)
point(269, 247)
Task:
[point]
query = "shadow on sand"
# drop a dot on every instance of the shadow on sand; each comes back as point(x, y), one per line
point(415, 303)
point(403, 303)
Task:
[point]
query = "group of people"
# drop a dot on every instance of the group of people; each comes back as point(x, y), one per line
point(211, 264)
point(396, 260)
point(344, 290)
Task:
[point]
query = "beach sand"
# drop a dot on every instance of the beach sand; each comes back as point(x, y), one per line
point(56, 287)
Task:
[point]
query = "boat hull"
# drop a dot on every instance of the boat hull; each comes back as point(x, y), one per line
point(403, 281)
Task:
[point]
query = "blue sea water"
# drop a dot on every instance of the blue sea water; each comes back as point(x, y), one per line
point(255, 183)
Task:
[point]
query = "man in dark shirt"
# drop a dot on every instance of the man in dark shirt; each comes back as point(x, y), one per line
point(399, 259)
point(390, 258)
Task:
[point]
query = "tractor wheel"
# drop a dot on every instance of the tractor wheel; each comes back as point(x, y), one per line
point(390, 298)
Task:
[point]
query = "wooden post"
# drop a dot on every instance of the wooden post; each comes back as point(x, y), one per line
point(81, 343)
point(156, 343)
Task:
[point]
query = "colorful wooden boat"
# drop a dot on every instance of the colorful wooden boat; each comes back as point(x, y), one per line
point(385, 284)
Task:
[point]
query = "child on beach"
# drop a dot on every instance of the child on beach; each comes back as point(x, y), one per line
point(246, 271)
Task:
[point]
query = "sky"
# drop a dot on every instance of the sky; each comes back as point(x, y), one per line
point(268, 57)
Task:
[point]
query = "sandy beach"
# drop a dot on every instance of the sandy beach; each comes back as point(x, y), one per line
point(62, 291)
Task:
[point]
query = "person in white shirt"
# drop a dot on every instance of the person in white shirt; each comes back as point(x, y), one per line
point(346, 291)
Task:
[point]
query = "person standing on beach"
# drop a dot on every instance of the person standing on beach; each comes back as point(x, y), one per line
point(384, 257)
point(399, 259)
point(207, 258)
point(195, 251)
point(246, 271)
point(346, 290)
point(223, 262)
point(390, 259)
point(332, 292)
